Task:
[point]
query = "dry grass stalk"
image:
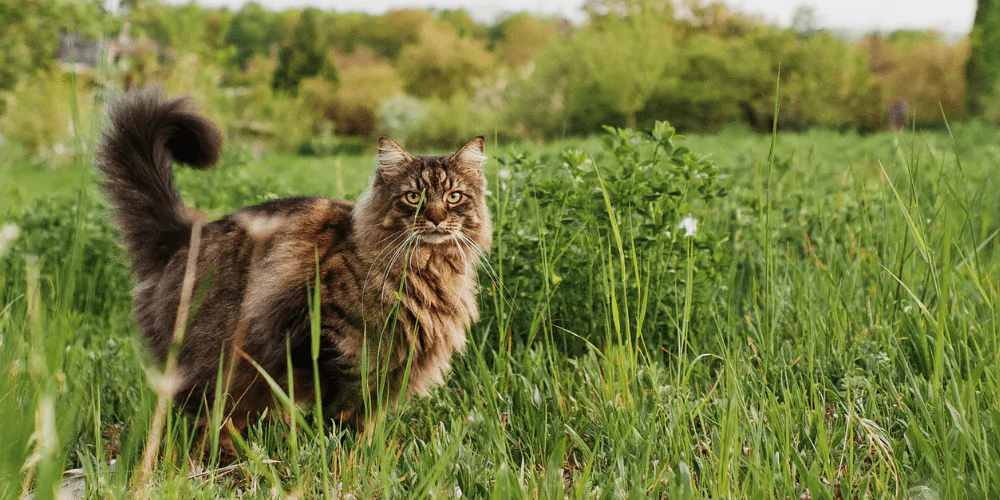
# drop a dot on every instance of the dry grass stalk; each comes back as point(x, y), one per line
point(167, 385)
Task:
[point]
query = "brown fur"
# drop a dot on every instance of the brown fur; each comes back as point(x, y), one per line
point(256, 267)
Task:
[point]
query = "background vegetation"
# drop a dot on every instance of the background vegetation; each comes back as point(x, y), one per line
point(310, 80)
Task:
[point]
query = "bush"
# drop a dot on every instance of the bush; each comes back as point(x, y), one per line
point(443, 63)
point(922, 70)
point(290, 121)
point(365, 81)
point(521, 38)
point(68, 235)
point(700, 102)
point(640, 186)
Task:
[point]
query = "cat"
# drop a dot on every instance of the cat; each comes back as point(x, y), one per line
point(396, 271)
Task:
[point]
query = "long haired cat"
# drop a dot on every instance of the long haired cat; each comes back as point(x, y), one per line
point(396, 271)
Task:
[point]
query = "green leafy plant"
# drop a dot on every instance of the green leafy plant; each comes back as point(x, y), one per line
point(642, 181)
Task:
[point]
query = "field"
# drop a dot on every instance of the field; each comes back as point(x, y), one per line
point(829, 330)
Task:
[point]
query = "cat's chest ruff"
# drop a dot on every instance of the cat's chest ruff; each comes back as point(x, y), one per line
point(441, 303)
point(440, 300)
point(438, 318)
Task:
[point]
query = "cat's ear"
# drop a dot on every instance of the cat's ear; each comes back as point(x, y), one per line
point(391, 158)
point(472, 155)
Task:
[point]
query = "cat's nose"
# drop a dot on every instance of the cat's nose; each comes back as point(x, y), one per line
point(435, 216)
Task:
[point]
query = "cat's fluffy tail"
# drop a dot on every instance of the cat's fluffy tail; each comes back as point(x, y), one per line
point(145, 133)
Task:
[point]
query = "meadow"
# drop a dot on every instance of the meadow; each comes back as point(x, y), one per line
point(802, 315)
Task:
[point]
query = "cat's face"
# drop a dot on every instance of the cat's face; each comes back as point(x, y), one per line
point(434, 200)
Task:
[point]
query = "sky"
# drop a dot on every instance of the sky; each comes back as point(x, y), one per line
point(950, 16)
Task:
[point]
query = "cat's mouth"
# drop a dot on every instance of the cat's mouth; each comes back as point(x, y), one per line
point(435, 236)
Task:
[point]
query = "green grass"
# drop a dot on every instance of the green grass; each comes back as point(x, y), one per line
point(830, 332)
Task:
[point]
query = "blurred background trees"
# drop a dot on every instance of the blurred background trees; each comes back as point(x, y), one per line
point(302, 78)
point(983, 68)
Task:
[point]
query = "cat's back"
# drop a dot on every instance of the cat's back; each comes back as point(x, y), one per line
point(284, 239)
point(286, 231)
point(257, 263)
point(300, 216)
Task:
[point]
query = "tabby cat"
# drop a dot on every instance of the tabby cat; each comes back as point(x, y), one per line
point(396, 271)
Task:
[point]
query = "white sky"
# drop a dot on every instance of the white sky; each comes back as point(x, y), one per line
point(951, 16)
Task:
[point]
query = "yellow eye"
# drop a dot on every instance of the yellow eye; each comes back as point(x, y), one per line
point(412, 197)
point(454, 197)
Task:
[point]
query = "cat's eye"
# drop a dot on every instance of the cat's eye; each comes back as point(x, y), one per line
point(412, 197)
point(454, 197)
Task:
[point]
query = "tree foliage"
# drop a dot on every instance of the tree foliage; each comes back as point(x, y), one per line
point(31, 32)
point(442, 63)
point(518, 39)
point(252, 31)
point(391, 32)
point(983, 68)
point(301, 54)
point(434, 74)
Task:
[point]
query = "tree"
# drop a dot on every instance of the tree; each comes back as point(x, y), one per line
point(607, 9)
point(921, 70)
point(301, 56)
point(701, 102)
point(620, 64)
point(462, 22)
point(346, 30)
point(982, 72)
point(520, 38)
point(442, 63)
point(390, 32)
point(31, 31)
point(251, 31)
point(151, 20)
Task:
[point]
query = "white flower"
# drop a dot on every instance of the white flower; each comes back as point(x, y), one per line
point(458, 492)
point(8, 234)
point(690, 225)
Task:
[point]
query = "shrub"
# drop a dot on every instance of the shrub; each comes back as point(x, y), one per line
point(447, 122)
point(72, 239)
point(301, 55)
point(982, 71)
point(443, 63)
point(361, 93)
point(521, 38)
point(639, 186)
point(923, 71)
point(700, 102)
point(824, 82)
point(607, 72)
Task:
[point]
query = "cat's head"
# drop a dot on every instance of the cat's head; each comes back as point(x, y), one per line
point(438, 201)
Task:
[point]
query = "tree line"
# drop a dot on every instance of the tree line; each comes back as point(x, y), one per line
point(308, 80)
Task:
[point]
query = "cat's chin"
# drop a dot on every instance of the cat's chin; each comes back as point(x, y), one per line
point(436, 238)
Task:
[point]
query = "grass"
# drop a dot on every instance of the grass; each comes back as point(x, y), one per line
point(830, 332)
